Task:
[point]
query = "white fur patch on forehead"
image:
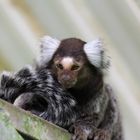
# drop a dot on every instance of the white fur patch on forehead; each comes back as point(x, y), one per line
point(96, 54)
point(48, 46)
point(67, 62)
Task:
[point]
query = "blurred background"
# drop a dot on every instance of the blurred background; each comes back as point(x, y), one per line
point(23, 22)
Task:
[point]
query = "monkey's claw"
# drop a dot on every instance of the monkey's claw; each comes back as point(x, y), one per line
point(100, 135)
point(80, 132)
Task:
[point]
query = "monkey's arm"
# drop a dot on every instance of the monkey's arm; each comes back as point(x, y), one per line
point(94, 111)
point(112, 119)
point(62, 112)
point(63, 119)
point(103, 126)
point(90, 118)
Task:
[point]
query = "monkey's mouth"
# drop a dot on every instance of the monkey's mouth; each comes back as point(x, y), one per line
point(67, 84)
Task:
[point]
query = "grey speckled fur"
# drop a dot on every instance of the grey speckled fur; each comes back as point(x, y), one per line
point(37, 91)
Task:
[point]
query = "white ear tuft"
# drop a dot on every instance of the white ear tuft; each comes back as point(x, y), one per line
point(48, 46)
point(96, 54)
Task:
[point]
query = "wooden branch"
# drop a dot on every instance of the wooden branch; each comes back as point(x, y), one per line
point(7, 131)
point(30, 124)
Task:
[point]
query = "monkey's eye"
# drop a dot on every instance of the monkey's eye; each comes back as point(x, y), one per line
point(75, 67)
point(59, 66)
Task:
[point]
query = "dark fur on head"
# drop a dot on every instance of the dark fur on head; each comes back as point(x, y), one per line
point(73, 48)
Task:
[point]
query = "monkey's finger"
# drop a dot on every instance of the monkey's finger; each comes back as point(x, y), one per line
point(101, 135)
point(91, 136)
point(79, 137)
point(74, 137)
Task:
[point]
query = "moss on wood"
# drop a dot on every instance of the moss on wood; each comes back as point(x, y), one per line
point(32, 125)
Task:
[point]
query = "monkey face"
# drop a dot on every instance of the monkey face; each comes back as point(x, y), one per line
point(67, 70)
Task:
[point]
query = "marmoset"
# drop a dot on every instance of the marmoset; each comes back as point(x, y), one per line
point(76, 68)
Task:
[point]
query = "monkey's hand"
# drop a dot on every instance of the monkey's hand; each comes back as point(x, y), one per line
point(86, 131)
point(82, 130)
point(100, 134)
